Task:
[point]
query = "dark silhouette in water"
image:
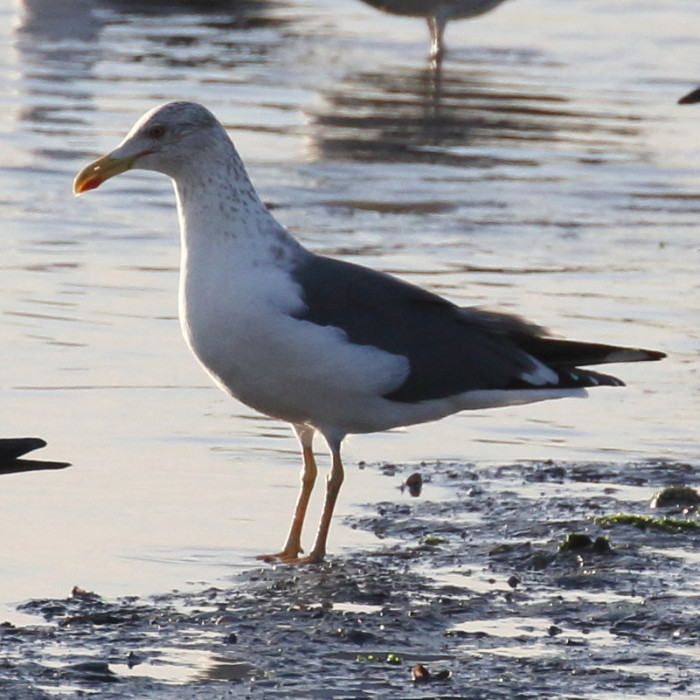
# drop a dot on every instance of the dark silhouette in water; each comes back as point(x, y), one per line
point(11, 449)
point(691, 98)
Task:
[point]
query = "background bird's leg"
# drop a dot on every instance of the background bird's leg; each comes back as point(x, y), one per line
point(333, 484)
point(292, 547)
point(437, 24)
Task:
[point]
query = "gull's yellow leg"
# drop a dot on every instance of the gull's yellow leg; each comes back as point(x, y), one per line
point(333, 484)
point(437, 24)
point(292, 547)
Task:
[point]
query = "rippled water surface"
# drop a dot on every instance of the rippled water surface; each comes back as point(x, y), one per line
point(545, 169)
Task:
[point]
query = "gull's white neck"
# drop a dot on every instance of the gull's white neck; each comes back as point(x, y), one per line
point(219, 210)
point(236, 261)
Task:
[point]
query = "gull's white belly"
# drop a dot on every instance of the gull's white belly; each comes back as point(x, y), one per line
point(242, 331)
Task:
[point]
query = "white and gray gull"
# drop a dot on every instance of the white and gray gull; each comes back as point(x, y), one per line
point(327, 345)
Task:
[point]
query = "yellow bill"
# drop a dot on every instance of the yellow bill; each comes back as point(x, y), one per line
point(93, 175)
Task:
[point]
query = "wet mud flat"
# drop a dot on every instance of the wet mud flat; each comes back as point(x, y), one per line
point(527, 580)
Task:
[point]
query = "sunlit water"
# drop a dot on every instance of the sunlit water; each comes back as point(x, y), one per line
point(546, 170)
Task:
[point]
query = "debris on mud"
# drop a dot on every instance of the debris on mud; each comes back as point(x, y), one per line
point(420, 674)
point(469, 593)
point(675, 497)
point(414, 484)
point(577, 542)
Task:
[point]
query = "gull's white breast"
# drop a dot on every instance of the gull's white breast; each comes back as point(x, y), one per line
point(238, 319)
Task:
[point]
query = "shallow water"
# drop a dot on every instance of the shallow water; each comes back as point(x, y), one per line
point(500, 604)
point(546, 169)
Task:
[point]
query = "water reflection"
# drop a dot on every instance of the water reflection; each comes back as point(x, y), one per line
point(434, 115)
point(60, 45)
point(46, 28)
point(179, 665)
point(52, 21)
point(187, 17)
point(82, 19)
point(240, 11)
point(57, 54)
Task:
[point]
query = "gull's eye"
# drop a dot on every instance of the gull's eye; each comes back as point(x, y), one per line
point(156, 131)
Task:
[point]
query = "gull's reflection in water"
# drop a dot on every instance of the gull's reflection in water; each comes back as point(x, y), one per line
point(57, 51)
point(449, 117)
point(236, 14)
point(53, 22)
point(48, 30)
point(60, 44)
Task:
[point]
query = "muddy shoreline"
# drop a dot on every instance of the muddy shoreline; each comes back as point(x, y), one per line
point(472, 581)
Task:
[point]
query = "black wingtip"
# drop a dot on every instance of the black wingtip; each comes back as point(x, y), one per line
point(691, 98)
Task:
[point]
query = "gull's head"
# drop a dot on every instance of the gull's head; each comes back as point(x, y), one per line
point(165, 139)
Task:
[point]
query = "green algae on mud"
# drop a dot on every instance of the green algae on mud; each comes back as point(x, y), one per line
point(647, 522)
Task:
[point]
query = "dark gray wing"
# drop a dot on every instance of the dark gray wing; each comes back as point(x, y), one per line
point(450, 349)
